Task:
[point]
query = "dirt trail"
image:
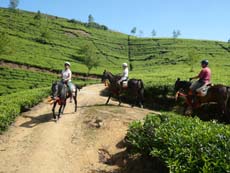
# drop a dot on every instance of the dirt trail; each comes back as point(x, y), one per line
point(77, 143)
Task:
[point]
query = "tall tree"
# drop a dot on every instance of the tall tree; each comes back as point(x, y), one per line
point(90, 19)
point(229, 40)
point(154, 33)
point(176, 33)
point(13, 4)
point(192, 59)
point(38, 15)
point(90, 58)
point(134, 30)
point(141, 33)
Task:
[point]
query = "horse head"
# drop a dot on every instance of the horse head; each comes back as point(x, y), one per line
point(54, 90)
point(104, 76)
point(181, 85)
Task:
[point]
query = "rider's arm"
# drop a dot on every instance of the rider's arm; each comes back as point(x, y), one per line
point(195, 77)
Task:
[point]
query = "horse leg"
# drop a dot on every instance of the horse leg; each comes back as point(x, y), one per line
point(108, 99)
point(75, 102)
point(53, 110)
point(59, 112)
point(119, 99)
point(139, 100)
point(63, 108)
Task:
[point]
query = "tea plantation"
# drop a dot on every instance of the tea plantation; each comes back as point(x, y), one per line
point(46, 42)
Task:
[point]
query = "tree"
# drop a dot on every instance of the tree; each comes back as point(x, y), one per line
point(192, 59)
point(229, 44)
point(90, 19)
point(5, 44)
point(90, 57)
point(176, 33)
point(13, 4)
point(154, 33)
point(45, 34)
point(134, 30)
point(141, 33)
point(38, 15)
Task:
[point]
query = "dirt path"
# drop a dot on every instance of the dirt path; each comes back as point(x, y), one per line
point(77, 143)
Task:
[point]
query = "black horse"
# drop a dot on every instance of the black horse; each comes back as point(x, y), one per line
point(135, 88)
point(60, 93)
point(218, 94)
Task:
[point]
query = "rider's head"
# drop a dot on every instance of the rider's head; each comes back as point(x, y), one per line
point(67, 64)
point(204, 63)
point(124, 65)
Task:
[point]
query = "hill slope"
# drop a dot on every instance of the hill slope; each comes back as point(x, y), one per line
point(65, 38)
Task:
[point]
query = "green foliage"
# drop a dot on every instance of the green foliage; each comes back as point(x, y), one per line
point(192, 60)
point(64, 38)
point(90, 19)
point(184, 144)
point(154, 33)
point(5, 44)
point(11, 105)
point(176, 33)
point(134, 30)
point(15, 80)
point(38, 15)
point(13, 4)
point(90, 57)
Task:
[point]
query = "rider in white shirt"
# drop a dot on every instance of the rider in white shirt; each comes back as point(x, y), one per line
point(66, 76)
point(125, 74)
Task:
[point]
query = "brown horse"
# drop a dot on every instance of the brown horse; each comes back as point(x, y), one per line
point(218, 94)
point(135, 88)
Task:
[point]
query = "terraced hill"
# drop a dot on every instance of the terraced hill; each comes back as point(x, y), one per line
point(66, 37)
point(166, 59)
point(45, 42)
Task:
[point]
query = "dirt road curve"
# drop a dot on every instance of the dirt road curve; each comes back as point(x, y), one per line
point(77, 143)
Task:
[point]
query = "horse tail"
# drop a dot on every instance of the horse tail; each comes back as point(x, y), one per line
point(228, 95)
point(78, 87)
point(140, 84)
point(141, 89)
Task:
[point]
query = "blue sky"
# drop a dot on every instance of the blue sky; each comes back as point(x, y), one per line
point(197, 19)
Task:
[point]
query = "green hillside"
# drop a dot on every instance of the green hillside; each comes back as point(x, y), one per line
point(161, 60)
point(46, 42)
point(63, 44)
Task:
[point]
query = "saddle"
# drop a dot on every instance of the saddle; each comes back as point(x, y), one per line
point(124, 84)
point(202, 91)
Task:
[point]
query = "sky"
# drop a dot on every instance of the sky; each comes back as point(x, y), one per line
point(196, 19)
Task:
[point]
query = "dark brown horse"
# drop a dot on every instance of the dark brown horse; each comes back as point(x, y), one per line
point(218, 94)
point(135, 88)
point(59, 94)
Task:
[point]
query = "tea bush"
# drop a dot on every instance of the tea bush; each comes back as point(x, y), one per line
point(184, 144)
point(12, 105)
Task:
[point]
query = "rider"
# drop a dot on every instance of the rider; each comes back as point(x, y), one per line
point(125, 74)
point(204, 78)
point(66, 76)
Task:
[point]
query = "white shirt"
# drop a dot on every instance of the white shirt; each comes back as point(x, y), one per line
point(66, 74)
point(125, 74)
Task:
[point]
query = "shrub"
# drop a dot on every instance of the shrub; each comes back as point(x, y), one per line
point(11, 105)
point(184, 144)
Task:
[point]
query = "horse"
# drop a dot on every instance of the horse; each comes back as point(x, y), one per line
point(59, 94)
point(218, 94)
point(135, 87)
